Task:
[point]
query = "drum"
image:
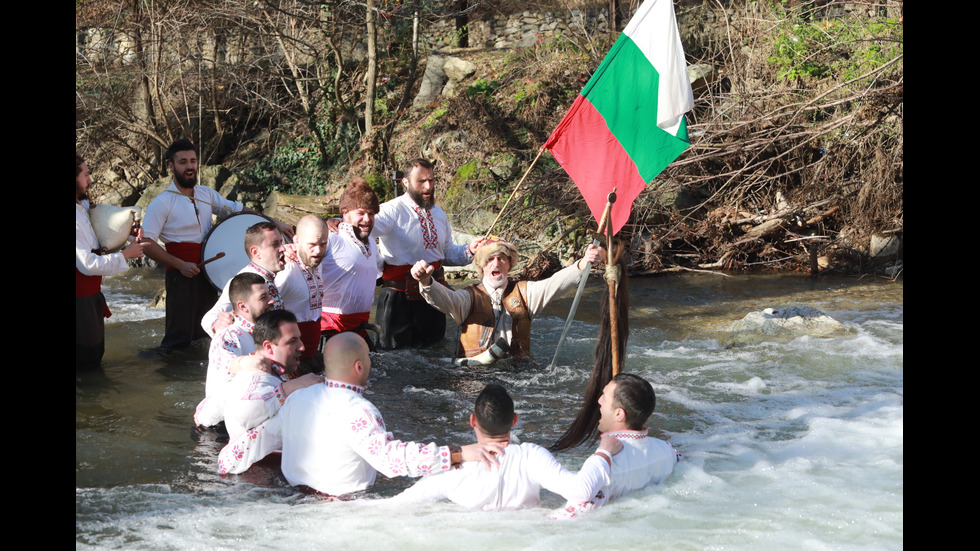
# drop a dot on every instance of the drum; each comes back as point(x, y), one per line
point(228, 237)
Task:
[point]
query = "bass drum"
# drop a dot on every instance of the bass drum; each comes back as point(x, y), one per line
point(228, 237)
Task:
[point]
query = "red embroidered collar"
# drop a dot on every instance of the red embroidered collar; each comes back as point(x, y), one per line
point(629, 434)
point(348, 386)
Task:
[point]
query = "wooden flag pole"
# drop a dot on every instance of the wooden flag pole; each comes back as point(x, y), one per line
point(612, 280)
point(513, 193)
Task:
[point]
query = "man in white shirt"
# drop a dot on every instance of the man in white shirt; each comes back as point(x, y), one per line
point(301, 285)
point(335, 441)
point(409, 228)
point(523, 471)
point(624, 408)
point(352, 265)
point(260, 388)
point(180, 217)
point(250, 296)
point(267, 257)
point(495, 315)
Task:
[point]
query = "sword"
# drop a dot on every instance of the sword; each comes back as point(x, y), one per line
point(610, 199)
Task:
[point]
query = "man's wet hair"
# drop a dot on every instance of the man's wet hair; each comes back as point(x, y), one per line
point(240, 287)
point(267, 326)
point(494, 411)
point(635, 395)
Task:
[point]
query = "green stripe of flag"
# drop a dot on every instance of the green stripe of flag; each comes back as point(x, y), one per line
point(624, 91)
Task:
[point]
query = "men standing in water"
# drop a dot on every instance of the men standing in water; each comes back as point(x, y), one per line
point(267, 256)
point(624, 407)
point(495, 314)
point(335, 441)
point(412, 227)
point(352, 265)
point(523, 470)
point(250, 297)
point(180, 217)
point(258, 391)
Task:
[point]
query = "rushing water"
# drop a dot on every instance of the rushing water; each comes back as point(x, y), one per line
point(789, 443)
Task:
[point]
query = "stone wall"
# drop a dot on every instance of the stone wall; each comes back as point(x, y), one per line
point(527, 28)
point(517, 30)
point(485, 30)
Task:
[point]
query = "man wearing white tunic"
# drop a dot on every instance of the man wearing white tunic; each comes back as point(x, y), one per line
point(91, 264)
point(523, 471)
point(495, 315)
point(352, 265)
point(180, 217)
point(250, 296)
point(335, 441)
point(301, 285)
point(267, 256)
point(256, 394)
point(412, 227)
point(624, 407)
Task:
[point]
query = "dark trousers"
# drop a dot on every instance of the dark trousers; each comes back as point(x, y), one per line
point(89, 331)
point(405, 323)
point(187, 302)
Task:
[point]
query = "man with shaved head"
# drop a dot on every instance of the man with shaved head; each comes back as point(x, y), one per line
point(302, 286)
point(335, 441)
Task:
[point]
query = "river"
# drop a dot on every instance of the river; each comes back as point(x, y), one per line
point(788, 443)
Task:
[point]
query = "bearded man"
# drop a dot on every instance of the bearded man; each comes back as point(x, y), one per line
point(352, 265)
point(412, 227)
point(180, 218)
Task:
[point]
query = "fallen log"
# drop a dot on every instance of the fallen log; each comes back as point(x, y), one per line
point(290, 208)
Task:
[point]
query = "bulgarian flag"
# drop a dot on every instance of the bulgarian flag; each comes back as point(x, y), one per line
point(627, 124)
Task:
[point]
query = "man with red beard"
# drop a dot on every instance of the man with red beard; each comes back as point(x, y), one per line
point(409, 228)
point(495, 314)
point(180, 218)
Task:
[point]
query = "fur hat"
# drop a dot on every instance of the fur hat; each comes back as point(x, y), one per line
point(358, 195)
point(492, 248)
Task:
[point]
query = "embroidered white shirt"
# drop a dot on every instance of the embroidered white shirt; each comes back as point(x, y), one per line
point(334, 441)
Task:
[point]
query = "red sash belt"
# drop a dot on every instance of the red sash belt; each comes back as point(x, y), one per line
point(343, 322)
point(188, 252)
point(309, 333)
point(86, 286)
point(400, 278)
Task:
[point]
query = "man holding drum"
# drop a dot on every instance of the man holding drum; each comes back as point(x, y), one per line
point(180, 217)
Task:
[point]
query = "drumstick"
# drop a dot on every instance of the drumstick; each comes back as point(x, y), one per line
point(212, 259)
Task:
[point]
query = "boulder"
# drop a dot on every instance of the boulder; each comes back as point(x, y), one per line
point(790, 322)
point(432, 83)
